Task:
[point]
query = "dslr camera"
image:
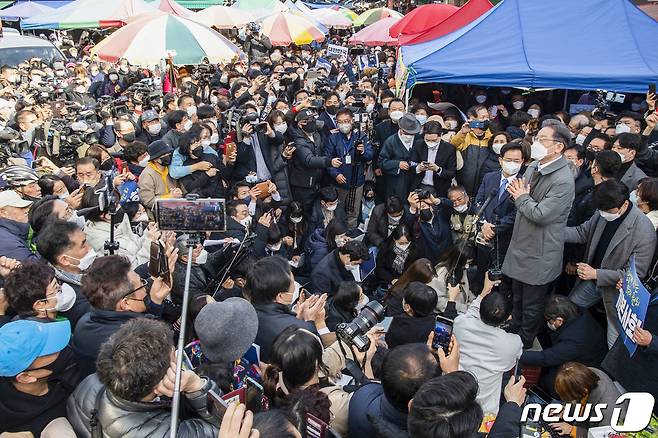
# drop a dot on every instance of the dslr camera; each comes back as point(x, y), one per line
point(354, 333)
point(422, 194)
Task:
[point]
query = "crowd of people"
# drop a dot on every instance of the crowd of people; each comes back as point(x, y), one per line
point(504, 214)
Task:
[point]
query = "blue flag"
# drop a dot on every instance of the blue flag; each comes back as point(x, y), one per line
point(631, 306)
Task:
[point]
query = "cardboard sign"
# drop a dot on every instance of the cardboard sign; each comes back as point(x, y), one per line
point(337, 51)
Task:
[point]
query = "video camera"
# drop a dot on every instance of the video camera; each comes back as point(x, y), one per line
point(354, 333)
point(145, 93)
point(604, 101)
point(11, 145)
point(203, 73)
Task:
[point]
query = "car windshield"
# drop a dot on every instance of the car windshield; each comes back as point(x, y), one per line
point(15, 55)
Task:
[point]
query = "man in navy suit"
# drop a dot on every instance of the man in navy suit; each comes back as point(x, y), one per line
point(328, 116)
point(499, 214)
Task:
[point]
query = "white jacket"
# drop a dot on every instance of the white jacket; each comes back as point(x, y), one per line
point(486, 352)
point(135, 248)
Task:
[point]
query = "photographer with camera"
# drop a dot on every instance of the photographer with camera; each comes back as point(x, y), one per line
point(430, 220)
point(354, 151)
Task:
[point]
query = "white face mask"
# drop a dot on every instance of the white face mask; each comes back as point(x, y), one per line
point(247, 141)
point(187, 125)
point(394, 219)
point(511, 168)
point(496, 147)
point(65, 298)
point(191, 111)
point(64, 195)
point(351, 267)
point(462, 208)
point(345, 128)
point(340, 241)
point(538, 151)
point(142, 217)
point(275, 247)
point(78, 220)
point(431, 144)
point(451, 124)
point(385, 105)
point(295, 220)
point(330, 207)
point(406, 139)
point(246, 222)
point(622, 157)
point(144, 161)
point(518, 104)
point(370, 107)
point(250, 178)
point(154, 129)
point(580, 139)
point(534, 113)
point(622, 128)
point(205, 143)
point(551, 326)
point(214, 99)
point(86, 261)
point(202, 258)
point(609, 216)
point(421, 119)
point(214, 139)
point(403, 247)
point(281, 128)
point(362, 303)
point(396, 115)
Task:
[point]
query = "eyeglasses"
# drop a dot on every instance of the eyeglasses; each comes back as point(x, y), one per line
point(545, 139)
point(126, 297)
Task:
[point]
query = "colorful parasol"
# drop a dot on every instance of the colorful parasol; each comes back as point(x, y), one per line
point(331, 18)
point(372, 15)
point(422, 18)
point(25, 10)
point(377, 34)
point(284, 29)
point(223, 17)
point(171, 7)
point(346, 12)
point(147, 41)
point(81, 14)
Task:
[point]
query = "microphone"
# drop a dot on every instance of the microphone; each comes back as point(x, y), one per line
point(485, 204)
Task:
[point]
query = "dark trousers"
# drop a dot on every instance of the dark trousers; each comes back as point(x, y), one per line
point(528, 311)
point(486, 259)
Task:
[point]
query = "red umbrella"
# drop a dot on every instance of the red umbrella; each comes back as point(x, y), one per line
point(464, 15)
point(422, 18)
point(377, 34)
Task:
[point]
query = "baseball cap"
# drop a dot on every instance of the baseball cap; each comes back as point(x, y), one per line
point(226, 329)
point(22, 341)
point(149, 115)
point(10, 198)
point(305, 114)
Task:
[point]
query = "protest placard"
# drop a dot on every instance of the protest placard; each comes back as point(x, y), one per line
point(631, 306)
point(337, 51)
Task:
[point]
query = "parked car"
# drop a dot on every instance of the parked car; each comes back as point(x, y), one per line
point(16, 48)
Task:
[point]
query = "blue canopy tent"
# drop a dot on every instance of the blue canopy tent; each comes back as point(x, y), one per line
point(582, 45)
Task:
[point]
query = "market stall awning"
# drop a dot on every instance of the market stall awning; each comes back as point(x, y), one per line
point(460, 18)
point(88, 14)
point(422, 18)
point(377, 34)
point(24, 10)
point(583, 45)
point(147, 41)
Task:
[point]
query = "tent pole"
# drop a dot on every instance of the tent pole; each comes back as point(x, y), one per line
point(566, 98)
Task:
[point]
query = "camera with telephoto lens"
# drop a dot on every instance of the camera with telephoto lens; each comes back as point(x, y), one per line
point(604, 100)
point(11, 145)
point(354, 333)
point(423, 194)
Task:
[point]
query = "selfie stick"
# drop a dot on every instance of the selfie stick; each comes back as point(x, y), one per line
point(192, 242)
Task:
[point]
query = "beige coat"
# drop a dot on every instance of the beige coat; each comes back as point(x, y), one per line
point(153, 185)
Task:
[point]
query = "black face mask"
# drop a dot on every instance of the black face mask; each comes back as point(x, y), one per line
point(590, 154)
point(310, 127)
point(165, 161)
point(129, 137)
point(426, 215)
point(370, 195)
point(331, 109)
point(107, 165)
point(65, 369)
point(198, 152)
